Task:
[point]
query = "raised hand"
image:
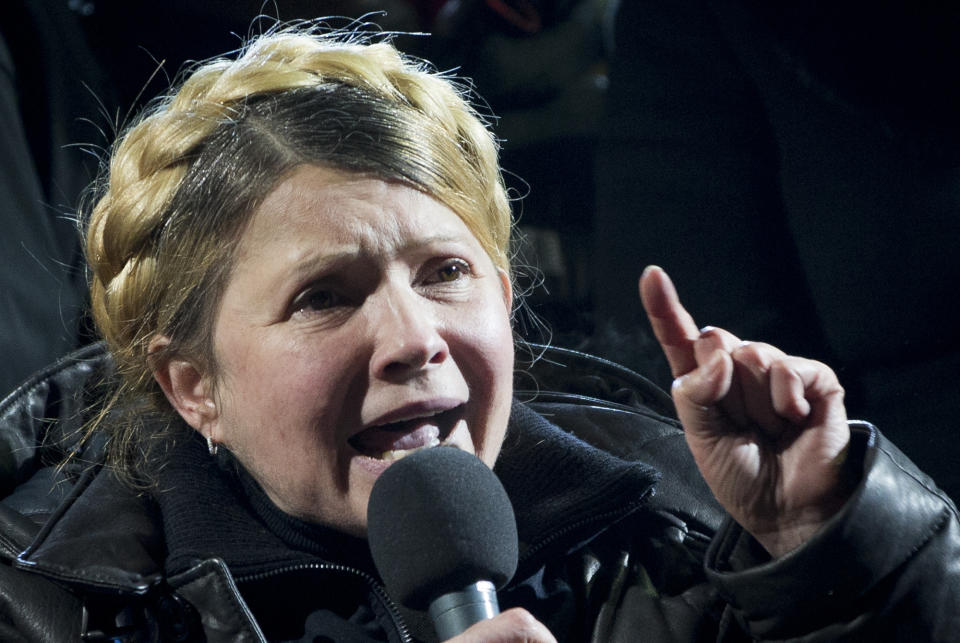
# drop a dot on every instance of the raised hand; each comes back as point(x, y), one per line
point(768, 431)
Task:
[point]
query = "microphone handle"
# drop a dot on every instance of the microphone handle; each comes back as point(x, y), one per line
point(454, 612)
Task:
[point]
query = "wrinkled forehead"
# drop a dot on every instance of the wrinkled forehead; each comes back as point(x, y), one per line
point(322, 210)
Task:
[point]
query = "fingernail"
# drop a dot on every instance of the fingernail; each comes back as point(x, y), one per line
point(677, 382)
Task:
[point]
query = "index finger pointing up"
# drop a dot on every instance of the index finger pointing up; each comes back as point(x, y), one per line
point(672, 324)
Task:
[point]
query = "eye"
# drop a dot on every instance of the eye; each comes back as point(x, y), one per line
point(317, 300)
point(453, 270)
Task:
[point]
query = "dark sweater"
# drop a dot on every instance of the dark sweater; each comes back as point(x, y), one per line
point(212, 508)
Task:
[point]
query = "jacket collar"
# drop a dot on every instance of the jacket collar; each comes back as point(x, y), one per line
point(563, 492)
point(104, 537)
point(563, 489)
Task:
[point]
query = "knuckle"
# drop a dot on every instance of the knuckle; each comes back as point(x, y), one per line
point(718, 337)
point(520, 618)
point(782, 368)
point(827, 374)
point(755, 354)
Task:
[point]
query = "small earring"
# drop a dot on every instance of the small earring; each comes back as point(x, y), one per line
point(212, 446)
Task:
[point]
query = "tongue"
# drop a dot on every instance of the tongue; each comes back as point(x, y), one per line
point(377, 440)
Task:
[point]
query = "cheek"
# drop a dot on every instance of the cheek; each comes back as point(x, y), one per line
point(282, 392)
point(500, 333)
point(486, 358)
point(497, 336)
point(485, 338)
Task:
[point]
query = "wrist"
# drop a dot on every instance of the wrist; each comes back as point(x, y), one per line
point(791, 533)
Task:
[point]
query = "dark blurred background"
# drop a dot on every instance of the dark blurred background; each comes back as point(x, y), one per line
point(795, 166)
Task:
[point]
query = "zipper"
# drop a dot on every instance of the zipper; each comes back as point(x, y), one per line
point(391, 606)
point(377, 588)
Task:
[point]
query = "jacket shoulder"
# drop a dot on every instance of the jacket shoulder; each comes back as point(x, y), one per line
point(40, 424)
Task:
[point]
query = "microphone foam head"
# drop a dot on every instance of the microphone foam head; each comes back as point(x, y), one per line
point(438, 521)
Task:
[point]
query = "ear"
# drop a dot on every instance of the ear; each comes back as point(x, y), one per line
point(186, 388)
point(507, 289)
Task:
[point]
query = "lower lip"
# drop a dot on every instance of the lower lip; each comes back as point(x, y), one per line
point(372, 466)
point(376, 466)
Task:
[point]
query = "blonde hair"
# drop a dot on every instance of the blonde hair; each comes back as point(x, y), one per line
point(183, 181)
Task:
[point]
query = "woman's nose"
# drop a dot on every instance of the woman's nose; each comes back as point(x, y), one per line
point(408, 340)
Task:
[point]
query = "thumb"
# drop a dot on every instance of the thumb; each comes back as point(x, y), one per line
point(697, 393)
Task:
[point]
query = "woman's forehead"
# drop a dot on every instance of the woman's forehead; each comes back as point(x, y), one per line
point(349, 213)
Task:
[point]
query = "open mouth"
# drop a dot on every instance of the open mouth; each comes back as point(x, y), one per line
point(394, 440)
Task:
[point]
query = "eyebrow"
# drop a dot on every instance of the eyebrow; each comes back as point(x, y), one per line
point(312, 264)
point(437, 238)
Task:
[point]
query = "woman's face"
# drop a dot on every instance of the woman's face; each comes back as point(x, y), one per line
point(362, 321)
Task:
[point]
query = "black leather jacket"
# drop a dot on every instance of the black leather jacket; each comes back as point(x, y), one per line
point(643, 559)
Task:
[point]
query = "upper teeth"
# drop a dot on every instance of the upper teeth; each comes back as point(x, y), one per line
point(423, 416)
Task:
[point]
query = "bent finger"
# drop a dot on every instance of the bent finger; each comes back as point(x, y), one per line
point(697, 394)
point(712, 339)
point(753, 362)
point(800, 387)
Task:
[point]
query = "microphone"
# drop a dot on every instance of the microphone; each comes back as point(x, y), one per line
point(443, 536)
